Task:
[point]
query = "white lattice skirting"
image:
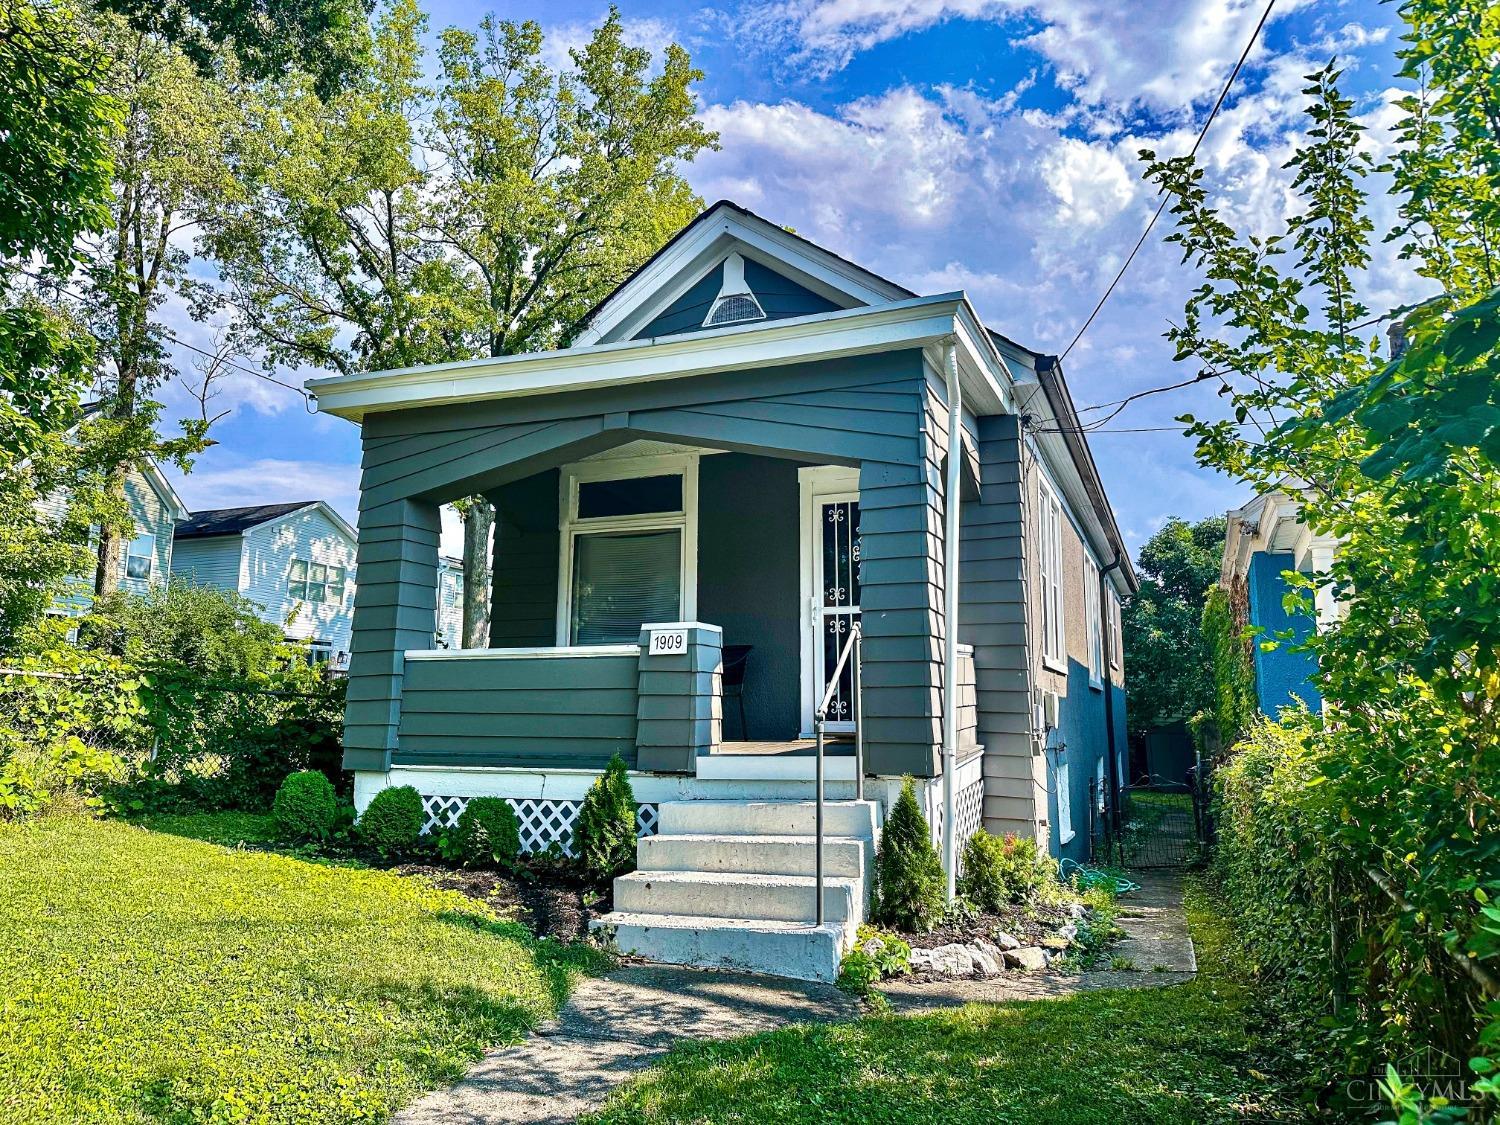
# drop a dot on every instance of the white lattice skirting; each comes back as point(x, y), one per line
point(543, 822)
point(968, 815)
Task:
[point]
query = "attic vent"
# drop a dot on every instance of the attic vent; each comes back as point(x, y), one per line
point(735, 303)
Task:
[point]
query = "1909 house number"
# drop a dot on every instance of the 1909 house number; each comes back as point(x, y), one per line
point(667, 642)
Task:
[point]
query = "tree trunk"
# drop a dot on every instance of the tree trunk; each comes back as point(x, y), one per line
point(479, 519)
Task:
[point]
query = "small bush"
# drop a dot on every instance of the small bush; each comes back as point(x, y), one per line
point(908, 871)
point(875, 955)
point(393, 821)
point(487, 834)
point(605, 837)
point(305, 806)
point(1001, 870)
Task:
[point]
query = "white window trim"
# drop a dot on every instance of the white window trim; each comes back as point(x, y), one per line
point(1054, 622)
point(1094, 625)
point(570, 526)
point(307, 583)
point(149, 556)
point(1116, 632)
point(815, 483)
point(1061, 782)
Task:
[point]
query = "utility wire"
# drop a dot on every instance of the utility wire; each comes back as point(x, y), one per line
point(306, 398)
point(1162, 206)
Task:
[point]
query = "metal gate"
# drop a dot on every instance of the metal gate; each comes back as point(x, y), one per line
point(1159, 825)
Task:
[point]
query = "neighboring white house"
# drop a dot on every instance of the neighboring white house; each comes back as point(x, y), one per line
point(450, 610)
point(156, 510)
point(296, 561)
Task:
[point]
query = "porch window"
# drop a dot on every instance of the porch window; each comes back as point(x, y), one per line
point(628, 544)
point(1054, 646)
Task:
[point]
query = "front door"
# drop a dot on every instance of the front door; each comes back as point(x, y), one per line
point(831, 552)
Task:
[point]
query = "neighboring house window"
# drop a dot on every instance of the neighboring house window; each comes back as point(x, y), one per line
point(318, 652)
point(627, 561)
point(1054, 648)
point(1091, 595)
point(140, 556)
point(1064, 805)
point(316, 582)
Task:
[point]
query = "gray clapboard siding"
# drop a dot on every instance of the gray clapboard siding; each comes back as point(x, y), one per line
point(214, 561)
point(432, 732)
point(523, 586)
point(993, 618)
point(779, 297)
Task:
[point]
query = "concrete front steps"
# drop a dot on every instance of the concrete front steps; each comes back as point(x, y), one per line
point(730, 885)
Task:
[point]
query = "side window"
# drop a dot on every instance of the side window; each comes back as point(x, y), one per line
point(140, 556)
point(1091, 595)
point(1064, 804)
point(1054, 647)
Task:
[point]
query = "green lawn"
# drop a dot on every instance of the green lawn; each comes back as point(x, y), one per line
point(145, 977)
point(1179, 1054)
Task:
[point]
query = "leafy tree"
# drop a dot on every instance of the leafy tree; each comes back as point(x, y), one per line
point(1398, 461)
point(169, 159)
point(202, 629)
point(1170, 678)
point(325, 38)
point(365, 240)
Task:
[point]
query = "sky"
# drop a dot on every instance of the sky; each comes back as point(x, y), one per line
point(983, 145)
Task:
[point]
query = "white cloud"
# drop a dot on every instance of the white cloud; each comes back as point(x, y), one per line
point(1166, 56)
point(219, 480)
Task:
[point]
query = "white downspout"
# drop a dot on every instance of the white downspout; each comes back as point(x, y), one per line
point(950, 614)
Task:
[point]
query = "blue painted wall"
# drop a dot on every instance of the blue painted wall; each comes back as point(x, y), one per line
point(1283, 676)
point(1085, 742)
point(779, 296)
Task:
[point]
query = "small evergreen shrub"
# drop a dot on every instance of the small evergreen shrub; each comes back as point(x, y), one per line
point(908, 870)
point(1001, 870)
point(393, 821)
point(305, 806)
point(605, 836)
point(487, 834)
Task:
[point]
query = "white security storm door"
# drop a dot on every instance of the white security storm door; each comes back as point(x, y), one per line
point(837, 551)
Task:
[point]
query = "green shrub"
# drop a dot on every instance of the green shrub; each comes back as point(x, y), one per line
point(305, 806)
point(908, 870)
point(393, 821)
point(1001, 870)
point(487, 834)
point(876, 954)
point(606, 833)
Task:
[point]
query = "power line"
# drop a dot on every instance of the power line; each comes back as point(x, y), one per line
point(1214, 112)
point(180, 342)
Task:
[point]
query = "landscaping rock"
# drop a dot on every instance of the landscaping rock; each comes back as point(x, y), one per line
point(920, 959)
point(872, 947)
point(987, 947)
point(1028, 958)
point(987, 963)
point(1005, 941)
point(1069, 932)
point(1077, 910)
point(953, 960)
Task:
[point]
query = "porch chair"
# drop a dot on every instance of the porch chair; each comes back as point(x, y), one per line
point(735, 658)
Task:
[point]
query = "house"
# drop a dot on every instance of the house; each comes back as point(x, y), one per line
point(756, 452)
point(1264, 542)
point(295, 561)
point(155, 509)
point(450, 606)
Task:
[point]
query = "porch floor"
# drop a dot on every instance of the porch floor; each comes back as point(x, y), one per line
point(797, 748)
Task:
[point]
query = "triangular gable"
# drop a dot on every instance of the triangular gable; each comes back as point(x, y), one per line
point(684, 277)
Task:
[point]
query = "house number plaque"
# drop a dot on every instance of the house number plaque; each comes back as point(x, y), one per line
point(668, 642)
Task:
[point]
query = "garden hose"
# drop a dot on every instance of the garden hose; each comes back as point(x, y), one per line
point(1093, 877)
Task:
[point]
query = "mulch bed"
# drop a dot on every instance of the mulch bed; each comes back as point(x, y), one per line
point(1027, 924)
point(549, 910)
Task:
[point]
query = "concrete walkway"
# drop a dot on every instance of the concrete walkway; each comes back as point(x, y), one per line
point(623, 1022)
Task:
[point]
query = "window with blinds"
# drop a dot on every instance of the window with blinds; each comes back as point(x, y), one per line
point(622, 580)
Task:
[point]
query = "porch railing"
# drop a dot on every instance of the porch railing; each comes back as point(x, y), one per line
point(850, 650)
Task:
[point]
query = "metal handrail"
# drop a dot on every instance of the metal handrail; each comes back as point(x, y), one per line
point(820, 716)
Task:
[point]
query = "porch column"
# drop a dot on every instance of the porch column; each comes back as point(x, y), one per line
point(678, 705)
point(395, 609)
point(901, 549)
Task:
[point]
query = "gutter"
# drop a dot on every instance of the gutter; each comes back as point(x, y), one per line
point(951, 501)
